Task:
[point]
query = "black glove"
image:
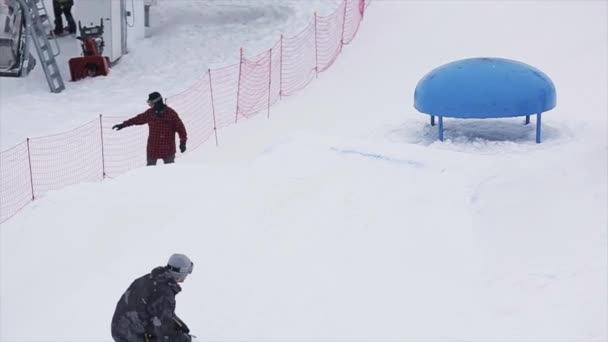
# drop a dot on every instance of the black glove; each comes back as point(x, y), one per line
point(182, 146)
point(119, 126)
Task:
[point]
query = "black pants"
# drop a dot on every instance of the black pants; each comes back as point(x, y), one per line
point(63, 8)
point(168, 160)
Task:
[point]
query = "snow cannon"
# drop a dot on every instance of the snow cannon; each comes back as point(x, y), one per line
point(92, 63)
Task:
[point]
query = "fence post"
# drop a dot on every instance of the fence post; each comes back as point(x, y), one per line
point(29, 160)
point(362, 8)
point(269, 80)
point(238, 89)
point(103, 159)
point(212, 107)
point(316, 49)
point(281, 70)
point(343, 23)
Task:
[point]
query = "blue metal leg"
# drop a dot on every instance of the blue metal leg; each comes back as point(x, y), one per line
point(432, 120)
point(527, 119)
point(538, 128)
point(441, 128)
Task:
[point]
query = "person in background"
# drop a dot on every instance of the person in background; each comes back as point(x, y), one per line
point(163, 123)
point(146, 311)
point(63, 7)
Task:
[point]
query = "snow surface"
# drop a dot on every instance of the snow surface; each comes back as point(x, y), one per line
point(342, 218)
point(187, 38)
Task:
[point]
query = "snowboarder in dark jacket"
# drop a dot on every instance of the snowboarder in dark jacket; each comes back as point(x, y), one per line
point(163, 122)
point(146, 311)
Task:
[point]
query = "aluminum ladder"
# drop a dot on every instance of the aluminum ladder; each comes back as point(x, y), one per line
point(35, 16)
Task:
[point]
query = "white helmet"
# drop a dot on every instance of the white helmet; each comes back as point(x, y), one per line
point(180, 265)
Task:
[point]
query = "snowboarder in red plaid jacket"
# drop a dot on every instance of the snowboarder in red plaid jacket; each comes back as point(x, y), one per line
point(163, 123)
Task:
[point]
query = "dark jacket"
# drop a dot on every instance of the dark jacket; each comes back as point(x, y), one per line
point(163, 124)
point(150, 296)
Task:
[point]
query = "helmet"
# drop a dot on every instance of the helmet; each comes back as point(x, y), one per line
point(180, 265)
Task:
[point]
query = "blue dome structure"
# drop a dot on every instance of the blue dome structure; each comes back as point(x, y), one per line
point(485, 88)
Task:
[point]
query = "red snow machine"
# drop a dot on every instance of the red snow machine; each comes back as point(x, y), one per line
point(92, 63)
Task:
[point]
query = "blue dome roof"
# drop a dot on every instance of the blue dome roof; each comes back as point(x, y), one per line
point(484, 88)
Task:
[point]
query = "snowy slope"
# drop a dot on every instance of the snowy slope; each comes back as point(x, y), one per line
point(187, 38)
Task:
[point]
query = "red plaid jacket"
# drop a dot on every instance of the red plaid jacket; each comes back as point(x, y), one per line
point(162, 129)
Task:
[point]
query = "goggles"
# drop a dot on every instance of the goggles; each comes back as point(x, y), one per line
point(152, 102)
point(182, 270)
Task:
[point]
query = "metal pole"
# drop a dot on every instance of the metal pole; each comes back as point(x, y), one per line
point(146, 16)
point(29, 159)
point(527, 119)
point(238, 89)
point(269, 80)
point(362, 8)
point(538, 119)
point(281, 70)
point(316, 49)
point(123, 27)
point(343, 23)
point(441, 128)
point(432, 120)
point(212, 107)
point(103, 161)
